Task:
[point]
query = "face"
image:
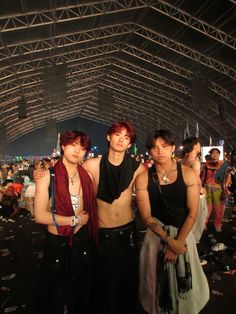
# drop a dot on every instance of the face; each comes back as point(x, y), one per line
point(119, 141)
point(161, 151)
point(73, 153)
point(215, 155)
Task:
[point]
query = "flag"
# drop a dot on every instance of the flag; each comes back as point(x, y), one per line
point(210, 141)
point(58, 144)
point(197, 130)
point(186, 132)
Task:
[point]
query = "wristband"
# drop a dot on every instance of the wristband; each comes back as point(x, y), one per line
point(75, 221)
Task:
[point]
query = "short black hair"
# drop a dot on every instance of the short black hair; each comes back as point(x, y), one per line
point(212, 150)
point(189, 143)
point(166, 135)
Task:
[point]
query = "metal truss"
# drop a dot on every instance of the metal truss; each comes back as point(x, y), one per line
point(92, 35)
point(95, 65)
point(70, 12)
point(197, 24)
point(185, 51)
point(64, 41)
point(87, 76)
point(108, 31)
point(153, 101)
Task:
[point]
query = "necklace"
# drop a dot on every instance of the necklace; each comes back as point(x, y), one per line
point(72, 178)
point(164, 177)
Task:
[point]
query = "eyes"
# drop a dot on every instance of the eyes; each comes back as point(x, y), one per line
point(78, 146)
point(125, 136)
point(164, 146)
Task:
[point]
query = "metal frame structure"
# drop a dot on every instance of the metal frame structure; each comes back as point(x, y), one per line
point(144, 52)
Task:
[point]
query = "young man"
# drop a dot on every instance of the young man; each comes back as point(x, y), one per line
point(171, 277)
point(191, 151)
point(65, 202)
point(117, 266)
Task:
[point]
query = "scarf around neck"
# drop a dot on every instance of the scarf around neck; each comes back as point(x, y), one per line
point(62, 198)
point(113, 180)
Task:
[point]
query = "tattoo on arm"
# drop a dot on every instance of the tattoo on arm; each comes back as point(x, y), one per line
point(153, 225)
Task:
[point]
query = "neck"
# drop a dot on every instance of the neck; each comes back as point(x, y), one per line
point(190, 157)
point(115, 158)
point(70, 167)
point(164, 166)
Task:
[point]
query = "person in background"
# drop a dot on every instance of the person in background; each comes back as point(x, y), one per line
point(29, 193)
point(171, 277)
point(190, 152)
point(9, 204)
point(230, 179)
point(212, 178)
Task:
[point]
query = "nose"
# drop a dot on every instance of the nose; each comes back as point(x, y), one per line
point(77, 148)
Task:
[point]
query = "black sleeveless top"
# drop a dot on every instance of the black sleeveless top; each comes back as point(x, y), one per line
point(168, 203)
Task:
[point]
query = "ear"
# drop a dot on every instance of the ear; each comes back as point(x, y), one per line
point(129, 145)
point(108, 138)
point(63, 147)
point(173, 148)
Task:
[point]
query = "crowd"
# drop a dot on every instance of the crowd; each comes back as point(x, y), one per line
point(93, 261)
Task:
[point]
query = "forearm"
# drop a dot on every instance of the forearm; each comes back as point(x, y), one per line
point(46, 218)
point(155, 227)
point(186, 227)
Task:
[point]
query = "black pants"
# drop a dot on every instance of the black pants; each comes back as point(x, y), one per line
point(117, 270)
point(82, 274)
point(66, 275)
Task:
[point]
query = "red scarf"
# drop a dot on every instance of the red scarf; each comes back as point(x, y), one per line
point(62, 198)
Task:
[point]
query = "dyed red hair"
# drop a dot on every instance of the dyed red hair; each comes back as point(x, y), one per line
point(69, 137)
point(119, 125)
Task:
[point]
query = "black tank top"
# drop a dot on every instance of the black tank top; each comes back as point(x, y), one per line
point(168, 203)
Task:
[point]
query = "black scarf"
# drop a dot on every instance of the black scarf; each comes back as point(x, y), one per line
point(114, 180)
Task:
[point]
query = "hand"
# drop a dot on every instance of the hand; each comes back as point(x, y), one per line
point(84, 217)
point(39, 173)
point(203, 191)
point(170, 256)
point(177, 246)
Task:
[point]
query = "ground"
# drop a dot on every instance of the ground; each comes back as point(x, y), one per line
point(21, 245)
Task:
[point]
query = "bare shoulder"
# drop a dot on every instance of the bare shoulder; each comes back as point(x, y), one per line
point(189, 175)
point(140, 170)
point(44, 181)
point(141, 178)
point(90, 164)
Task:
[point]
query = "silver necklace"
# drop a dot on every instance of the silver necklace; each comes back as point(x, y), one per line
point(165, 177)
point(72, 178)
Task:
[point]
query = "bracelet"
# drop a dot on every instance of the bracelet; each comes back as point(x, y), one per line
point(75, 221)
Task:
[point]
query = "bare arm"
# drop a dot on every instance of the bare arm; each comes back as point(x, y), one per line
point(178, 247)
point(227, 182)
point(193, 189)
point(41, 204)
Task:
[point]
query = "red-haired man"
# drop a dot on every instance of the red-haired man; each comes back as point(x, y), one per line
point(113, 176)
point(65, 202)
